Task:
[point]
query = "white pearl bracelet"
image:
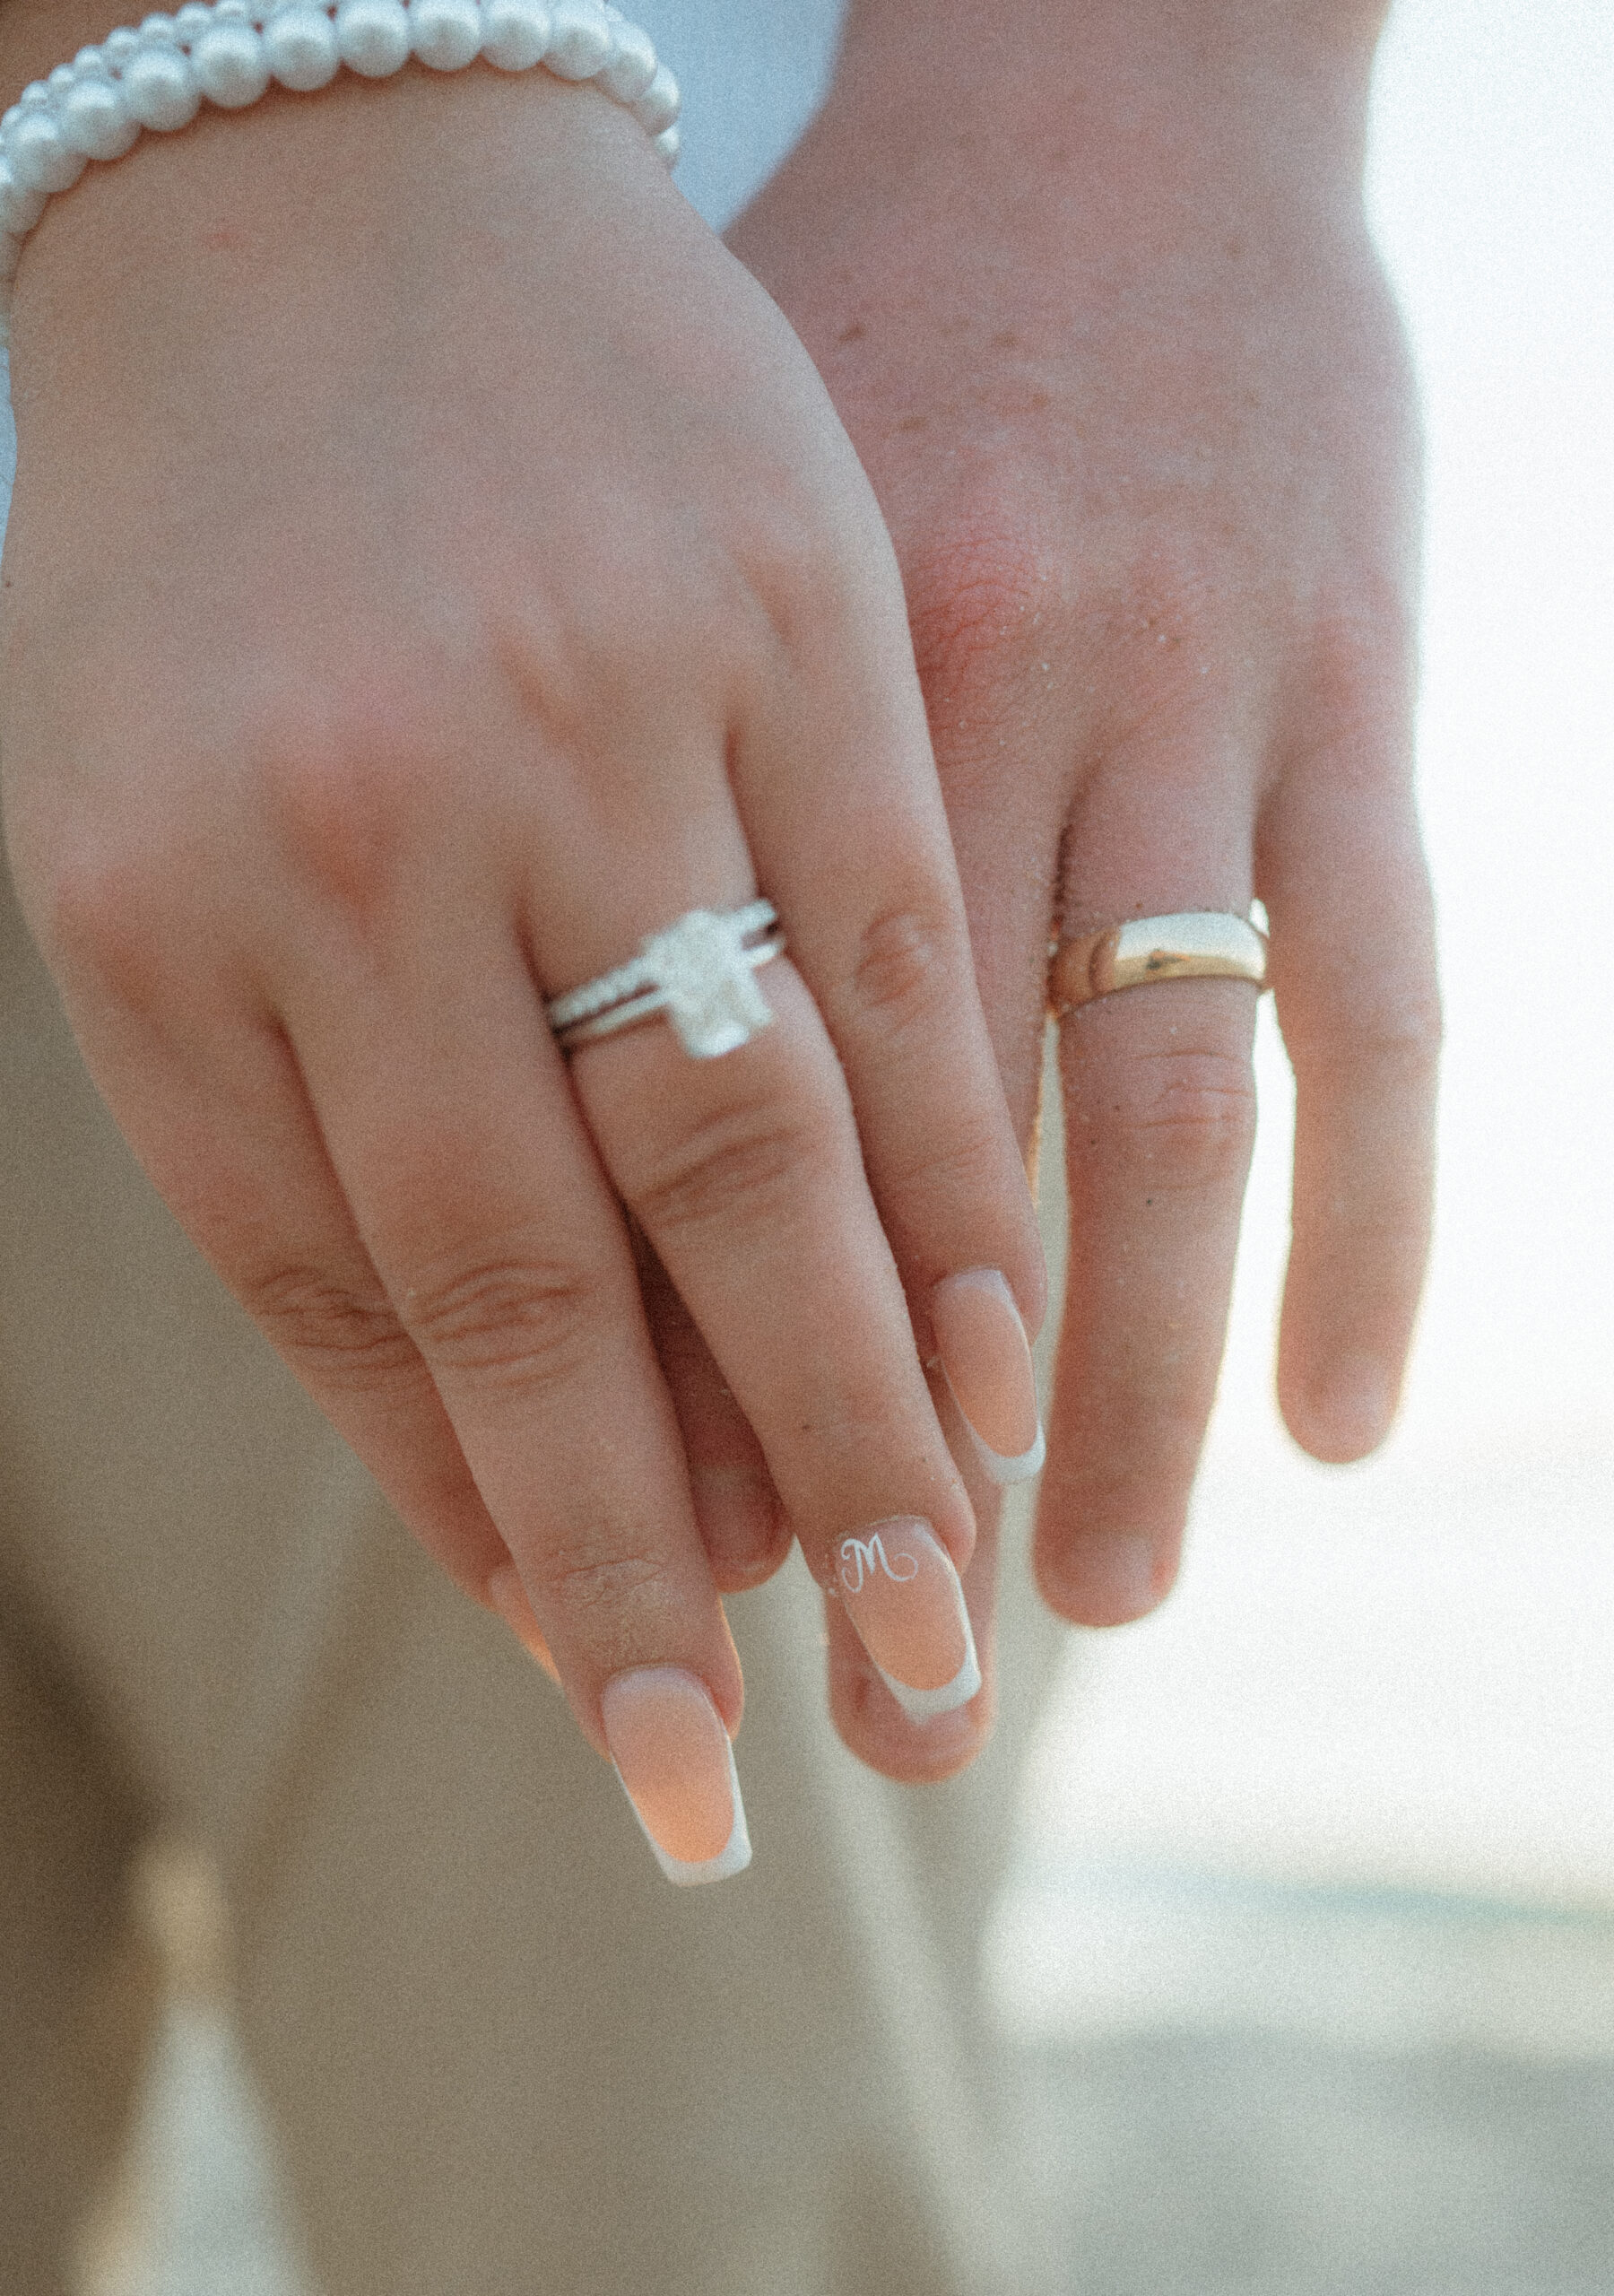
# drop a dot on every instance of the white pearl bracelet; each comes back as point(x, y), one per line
point(230, 53)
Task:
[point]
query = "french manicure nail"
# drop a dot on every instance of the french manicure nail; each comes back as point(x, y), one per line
point(904, 1597)
point(987, 1359)
point(677, 1767)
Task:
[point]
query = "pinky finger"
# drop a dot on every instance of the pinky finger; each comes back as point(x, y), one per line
point(240, 1161)
point(1347, 895)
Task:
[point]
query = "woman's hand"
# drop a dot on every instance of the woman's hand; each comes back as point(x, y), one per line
point(1096, 302)
point(434, 564)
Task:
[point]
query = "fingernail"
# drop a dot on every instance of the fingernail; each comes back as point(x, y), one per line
point(904, 1597)
point(987, 1359)
point(509, 1596)
point(677, 1766)
point(738, 1515)
point(1111, 1579)
point(1352, 1414)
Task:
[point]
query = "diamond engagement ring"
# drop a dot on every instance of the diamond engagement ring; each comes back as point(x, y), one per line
point(1197, 945)
point(698, 970)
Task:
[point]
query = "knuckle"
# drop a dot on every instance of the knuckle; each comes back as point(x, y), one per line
point(580, 1581)
point(1408, 1041)
point(946, 1175)
point(1182, 1122)
point(1361, 672)
point(1394, 1051)
point(604, 647)
point(338, 1335)
point(796, 563)
point(963, 1172)
point(340, 788)
point(741, 1166)
point(91, 904)
point(904, 969)
point(1162, 636)
point(507, 1320)
point(1168, 602)
point(109, 919)
point(982, 602)
point(98, 903)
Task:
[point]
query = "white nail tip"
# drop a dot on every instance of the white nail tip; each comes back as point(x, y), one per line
point(689, 1873)
point(1019, 1469)
point(925, 1704)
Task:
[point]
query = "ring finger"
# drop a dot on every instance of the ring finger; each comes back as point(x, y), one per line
point(745, 1173)
point(1160, 1124)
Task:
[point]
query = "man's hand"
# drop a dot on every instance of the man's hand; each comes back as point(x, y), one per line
point(1094, 297)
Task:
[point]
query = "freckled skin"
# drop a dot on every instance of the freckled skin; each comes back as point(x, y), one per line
point(1159, 540)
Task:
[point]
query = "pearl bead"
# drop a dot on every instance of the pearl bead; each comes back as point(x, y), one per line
point(660, 104)
point(580, 39)
point(20, 208)
point(40, 156)
point(160, 89)
point(300, 44)
point(444, 34)
point(516, 33)
point(230, 50)
point(96, 121)
point(373, 36)
point(631, 64)
point(230, 63)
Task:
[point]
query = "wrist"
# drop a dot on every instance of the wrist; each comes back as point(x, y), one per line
point(1177, 90)
point(389, 161)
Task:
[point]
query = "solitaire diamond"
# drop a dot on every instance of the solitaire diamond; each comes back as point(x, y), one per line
point(702, 965)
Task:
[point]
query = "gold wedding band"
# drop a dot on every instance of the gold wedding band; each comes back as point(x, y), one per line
point(1201, 944)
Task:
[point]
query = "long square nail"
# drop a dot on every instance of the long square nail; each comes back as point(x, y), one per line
point(677, 1768)
point(987, 1359)
point(900, 1591)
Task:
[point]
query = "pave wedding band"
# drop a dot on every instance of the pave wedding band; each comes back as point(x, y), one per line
point(698, 970)
point(1198, 945)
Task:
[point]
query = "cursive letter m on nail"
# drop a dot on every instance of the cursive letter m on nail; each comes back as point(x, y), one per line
point(865, 1556)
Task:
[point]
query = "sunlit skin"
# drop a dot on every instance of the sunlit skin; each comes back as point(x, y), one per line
point(1105, 332)
point(380, 654)
point(1098, 307)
